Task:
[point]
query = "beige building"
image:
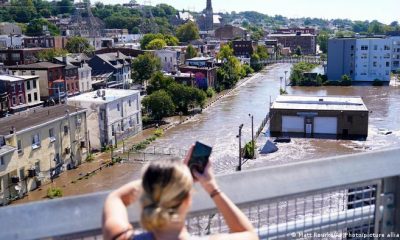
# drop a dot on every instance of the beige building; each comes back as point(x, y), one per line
point(37, 145)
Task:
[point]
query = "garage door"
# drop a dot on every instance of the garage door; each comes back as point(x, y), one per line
point(292, 124)
point(325, 125)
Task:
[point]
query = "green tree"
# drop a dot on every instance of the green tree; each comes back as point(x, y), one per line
point(255, 62)
point(23, 10)
point(171, 40)
point(185, 97)
point(188, 32)
point(346, 80)
point(65, 7)
point(230, 73)
point(262, 52)
point(159, 82)
point(322, 41)
point(144, 66)
point(376, 27)
point(78, 45)
point(36, 27)
point(156, 44)
point(298, 51)
point(159, 104)
point(191, 52)
point(50, 54)
point(225, 52)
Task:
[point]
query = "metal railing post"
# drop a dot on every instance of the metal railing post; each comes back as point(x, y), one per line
point(389, 205)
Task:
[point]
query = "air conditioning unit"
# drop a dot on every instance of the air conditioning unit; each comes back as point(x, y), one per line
point(15, 179)
point(32, 173)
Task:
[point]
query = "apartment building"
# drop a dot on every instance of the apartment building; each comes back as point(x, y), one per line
point(395, 53)
point(307, 42)
point(51, 78)
point(37, 145)
point(113, 114)
point(84, 71)
point(364, 59)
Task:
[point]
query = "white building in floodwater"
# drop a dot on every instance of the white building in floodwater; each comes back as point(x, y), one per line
point(113, 114)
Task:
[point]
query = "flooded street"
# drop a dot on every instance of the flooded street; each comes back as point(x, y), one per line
point(218, 127)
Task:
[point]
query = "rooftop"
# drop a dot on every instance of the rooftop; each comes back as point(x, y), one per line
point(38, 65)
point(110, 95)
point(11, 78)
point(290, 35)
point(34, 117)
point(200, 59)
point(324, 103)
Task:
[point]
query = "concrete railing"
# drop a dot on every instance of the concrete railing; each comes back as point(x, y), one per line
point(276, 199)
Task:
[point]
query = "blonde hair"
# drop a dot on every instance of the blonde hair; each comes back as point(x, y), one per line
point(166, 184)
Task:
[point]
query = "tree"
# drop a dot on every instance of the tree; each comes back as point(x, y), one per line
point(159, 104)
point(185, 97)
point(298, 51)
point(156, 44)
point(225, 53)
point(50, 54)
point(144, 66)
point(255, 62)
point(191, 52)
point(36, 27)
point(376, 27)
point(171, 40)
point(322, 41)
point(65, 7)
point(159, 82)
point(346, 80)
point(188, 32)
point(78, 45)
point(262, 52)
point(229, 74)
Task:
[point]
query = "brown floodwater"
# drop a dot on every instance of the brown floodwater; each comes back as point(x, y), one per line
point(218, 127)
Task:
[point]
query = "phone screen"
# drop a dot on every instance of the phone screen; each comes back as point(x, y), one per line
point(199, 158)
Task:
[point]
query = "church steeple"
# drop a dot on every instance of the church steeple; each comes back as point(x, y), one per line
point(209, 18)
point(209, 5)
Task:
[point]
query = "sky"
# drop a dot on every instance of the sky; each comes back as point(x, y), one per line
point(381, 10)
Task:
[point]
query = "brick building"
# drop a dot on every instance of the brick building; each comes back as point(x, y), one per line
point(307, 42)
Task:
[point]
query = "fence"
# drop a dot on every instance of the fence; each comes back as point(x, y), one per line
point(306, 59)
point(347, 197)
point(152, 153)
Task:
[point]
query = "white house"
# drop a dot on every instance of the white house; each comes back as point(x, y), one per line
point(113, 114)
point(373, 59)
point(168, 58)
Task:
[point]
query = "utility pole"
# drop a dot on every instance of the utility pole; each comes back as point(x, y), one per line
point(285, 79)
point(252, 134)
point(239, 168)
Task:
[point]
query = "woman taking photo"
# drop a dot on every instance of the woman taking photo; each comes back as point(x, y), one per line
point(165, 193)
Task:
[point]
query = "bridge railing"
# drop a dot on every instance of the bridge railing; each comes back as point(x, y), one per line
point(331, 198)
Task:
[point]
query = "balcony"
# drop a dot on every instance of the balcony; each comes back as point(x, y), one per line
point(341, 196)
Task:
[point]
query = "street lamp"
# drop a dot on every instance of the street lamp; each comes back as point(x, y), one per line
point(252, 133)
point(239, 168)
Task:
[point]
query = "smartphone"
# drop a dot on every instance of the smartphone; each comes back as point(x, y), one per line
point(199, 158)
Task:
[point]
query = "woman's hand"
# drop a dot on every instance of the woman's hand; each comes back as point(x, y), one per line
point(206, 179)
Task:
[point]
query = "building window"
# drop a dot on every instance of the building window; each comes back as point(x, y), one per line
point(374, 64)
point(2, 163)
point(51, 135)
point(118, 108)
point(364, 47)
point(35, 96)
point(28, 85)
point(29, 98)
point(14, 100)
point(13, 87)
point(21, 99)
point(35, 141)
point(34, 84)
point(33, 73)
point(15, 57)
point(375, 47)
point(19, 146)
point(130, 103)
point(65, 130)
point(387, 64)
